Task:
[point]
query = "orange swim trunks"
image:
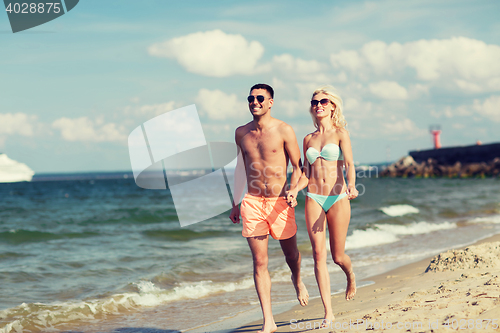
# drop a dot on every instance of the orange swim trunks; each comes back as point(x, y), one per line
point(262, 216)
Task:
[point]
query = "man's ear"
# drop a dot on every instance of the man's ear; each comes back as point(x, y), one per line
point(271, 101)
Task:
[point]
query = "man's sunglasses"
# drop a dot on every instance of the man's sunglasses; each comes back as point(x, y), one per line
point(260, 98)
point(323, 102)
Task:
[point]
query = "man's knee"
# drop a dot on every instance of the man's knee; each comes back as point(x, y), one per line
point(260, 262)
point(292, 255)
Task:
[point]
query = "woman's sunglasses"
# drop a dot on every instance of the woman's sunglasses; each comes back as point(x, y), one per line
point(323, 102)
point(260, 98)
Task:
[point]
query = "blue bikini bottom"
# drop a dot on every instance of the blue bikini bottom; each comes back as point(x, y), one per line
point(326, 201)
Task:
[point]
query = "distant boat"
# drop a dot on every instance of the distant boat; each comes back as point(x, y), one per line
point(12, 171)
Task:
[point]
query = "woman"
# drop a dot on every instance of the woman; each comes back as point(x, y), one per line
point(326, 151)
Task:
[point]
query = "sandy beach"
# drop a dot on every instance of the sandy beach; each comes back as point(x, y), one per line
point(455, 290)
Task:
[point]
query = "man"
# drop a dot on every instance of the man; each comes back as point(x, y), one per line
point(266, 145)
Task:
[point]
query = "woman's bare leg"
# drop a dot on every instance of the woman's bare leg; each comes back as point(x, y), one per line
point(338, 218)
point(316, 227)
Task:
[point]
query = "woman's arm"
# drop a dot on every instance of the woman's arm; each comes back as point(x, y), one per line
point(345, 145)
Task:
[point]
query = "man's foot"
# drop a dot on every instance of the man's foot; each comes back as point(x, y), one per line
point(272, 328)
point(302, 294)
point(351, 286)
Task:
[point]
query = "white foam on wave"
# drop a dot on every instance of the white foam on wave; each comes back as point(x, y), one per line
point(369, 237)
point(388, 233)
point(147, 295)
point(495, 219)
point(416, 228)
point(399, 210)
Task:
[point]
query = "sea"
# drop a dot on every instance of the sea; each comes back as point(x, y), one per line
point(96, 253)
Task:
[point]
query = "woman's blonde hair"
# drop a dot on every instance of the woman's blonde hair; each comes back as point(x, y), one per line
point(338, 119)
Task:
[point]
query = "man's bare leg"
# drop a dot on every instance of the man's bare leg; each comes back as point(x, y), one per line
point(262, 279)
point(293, 259)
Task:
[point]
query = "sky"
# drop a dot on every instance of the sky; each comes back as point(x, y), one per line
point(73, 89)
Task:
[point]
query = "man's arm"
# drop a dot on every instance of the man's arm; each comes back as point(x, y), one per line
point(303, 180)
point(293, 151)
point(239, 179)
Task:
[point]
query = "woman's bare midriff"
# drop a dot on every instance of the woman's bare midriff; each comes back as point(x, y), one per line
point(326, 178)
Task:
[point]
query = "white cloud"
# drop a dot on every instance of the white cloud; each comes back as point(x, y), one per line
point(218, 105)
point(350, 60)
point(469, 86)
point(84, 129)
point(306, 89)
point(287, 63)
point(490, 108)
point(469, 58)
point(471, 64)
point(278, 84)
point(212, 53)
point(417, 90)
point(357, 109)
point(388, 90)
point(298, 69)
point(17, 123)
point(403, 128)
point(449, 112)
point(293, 108)
point(157, 109)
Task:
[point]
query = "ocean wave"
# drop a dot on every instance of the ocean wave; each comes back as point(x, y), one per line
point(495, 219)
point(399, 210)
point(147, 294)
point(134, 216)
point(18, 236)
point(388, 233)
point(181, 234)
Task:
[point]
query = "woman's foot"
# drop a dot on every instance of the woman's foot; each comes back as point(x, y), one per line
point(268, 328)
point(351, 286)
point(327, 321)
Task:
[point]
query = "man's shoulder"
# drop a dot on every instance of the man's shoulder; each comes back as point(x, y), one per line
point(283, 127)
point(243, 128)
point(241, 131)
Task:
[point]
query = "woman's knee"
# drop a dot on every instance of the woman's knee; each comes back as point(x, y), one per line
point(339, 259)
point(319, 255)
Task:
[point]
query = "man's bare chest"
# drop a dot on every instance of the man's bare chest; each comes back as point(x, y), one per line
point(262, 146)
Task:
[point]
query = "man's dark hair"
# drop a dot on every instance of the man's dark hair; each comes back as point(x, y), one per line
point(264, 86)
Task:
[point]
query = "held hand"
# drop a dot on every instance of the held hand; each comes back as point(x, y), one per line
point(352, 193)
point(235, 214)
point(291, 198)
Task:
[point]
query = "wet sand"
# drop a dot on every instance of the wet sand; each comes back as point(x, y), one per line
point(458, 289)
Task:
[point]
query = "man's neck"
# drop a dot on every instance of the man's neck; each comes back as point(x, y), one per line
point(261, 122)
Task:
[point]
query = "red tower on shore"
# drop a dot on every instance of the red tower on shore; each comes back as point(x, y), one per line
point(436, 133)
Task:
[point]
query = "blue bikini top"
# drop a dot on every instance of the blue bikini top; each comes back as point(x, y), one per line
point(330, 152)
